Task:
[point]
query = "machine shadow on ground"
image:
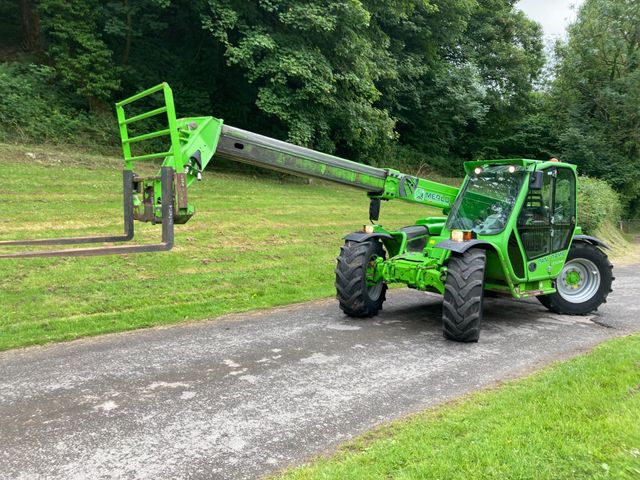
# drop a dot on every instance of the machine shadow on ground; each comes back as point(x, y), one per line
point(500, 313)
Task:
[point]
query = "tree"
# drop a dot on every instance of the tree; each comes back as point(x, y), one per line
point(315, 67)
point(507, 48)
point(597, 92)
point(449, 80)
point(30, 25)
point(436, 92)
point(82, 58)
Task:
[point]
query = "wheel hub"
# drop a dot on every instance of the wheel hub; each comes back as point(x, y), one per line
point(573, 278)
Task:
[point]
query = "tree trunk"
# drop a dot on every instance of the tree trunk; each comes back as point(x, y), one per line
point(128, 35)
point(30, 25)
point(97, 105)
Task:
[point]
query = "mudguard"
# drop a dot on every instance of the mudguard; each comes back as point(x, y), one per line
point(591, 240)
point(461, 247)
point(363, 237)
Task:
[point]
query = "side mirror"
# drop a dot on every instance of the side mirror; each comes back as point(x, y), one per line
point(374, 210)
point(535, 180)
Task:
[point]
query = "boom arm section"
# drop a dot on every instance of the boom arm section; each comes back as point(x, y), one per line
point(385, 184)
point(195, 141)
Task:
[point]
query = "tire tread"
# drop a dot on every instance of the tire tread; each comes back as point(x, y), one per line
point(351, 285)
point(463, 297)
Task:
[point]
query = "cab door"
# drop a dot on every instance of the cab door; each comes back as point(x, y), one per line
point(563, 221)
point(548, 217)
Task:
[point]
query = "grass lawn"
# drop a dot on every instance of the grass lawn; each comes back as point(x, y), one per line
point(575, 420)
point(253, 243)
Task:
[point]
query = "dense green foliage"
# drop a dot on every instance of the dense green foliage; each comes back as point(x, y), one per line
point(353, 76)
point(596, 94)
point(394, 83)
point(34, 106)
point(598, 204)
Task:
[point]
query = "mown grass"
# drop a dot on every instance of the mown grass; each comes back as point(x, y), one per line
point(575, 420)
point(254, 242)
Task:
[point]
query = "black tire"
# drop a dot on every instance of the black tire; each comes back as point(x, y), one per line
point(358, 299)
point(581, 252)
point(464, 296)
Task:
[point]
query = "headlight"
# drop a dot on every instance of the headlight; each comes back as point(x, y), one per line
point(461, 235)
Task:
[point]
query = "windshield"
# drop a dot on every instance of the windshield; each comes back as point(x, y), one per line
point(486, 202)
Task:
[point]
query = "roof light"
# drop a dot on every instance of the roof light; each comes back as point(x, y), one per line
point(367, 228)
point(512, 169)
point(554, 159)
point(477, 170)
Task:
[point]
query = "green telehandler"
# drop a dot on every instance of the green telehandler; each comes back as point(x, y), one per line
point(510, 229)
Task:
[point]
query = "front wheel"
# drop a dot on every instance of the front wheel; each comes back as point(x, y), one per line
point(464, 296)
point(358, 296)
point(584, 282)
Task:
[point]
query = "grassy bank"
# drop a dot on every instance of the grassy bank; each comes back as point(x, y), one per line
point(623, 250)
point(253, 243)
point(579, 419)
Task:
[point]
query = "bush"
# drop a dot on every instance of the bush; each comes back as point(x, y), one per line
point(598, 203)
point(34, 108)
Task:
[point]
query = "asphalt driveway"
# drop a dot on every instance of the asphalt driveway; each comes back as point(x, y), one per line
point(245, 395)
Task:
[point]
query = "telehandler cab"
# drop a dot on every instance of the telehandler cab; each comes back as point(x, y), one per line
point(510, 229)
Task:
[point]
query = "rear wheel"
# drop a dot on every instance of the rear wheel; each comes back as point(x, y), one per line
point(463, 296)
point(584, 282)
point(358, 296)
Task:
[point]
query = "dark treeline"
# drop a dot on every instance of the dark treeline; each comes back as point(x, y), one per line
point(389, 82)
